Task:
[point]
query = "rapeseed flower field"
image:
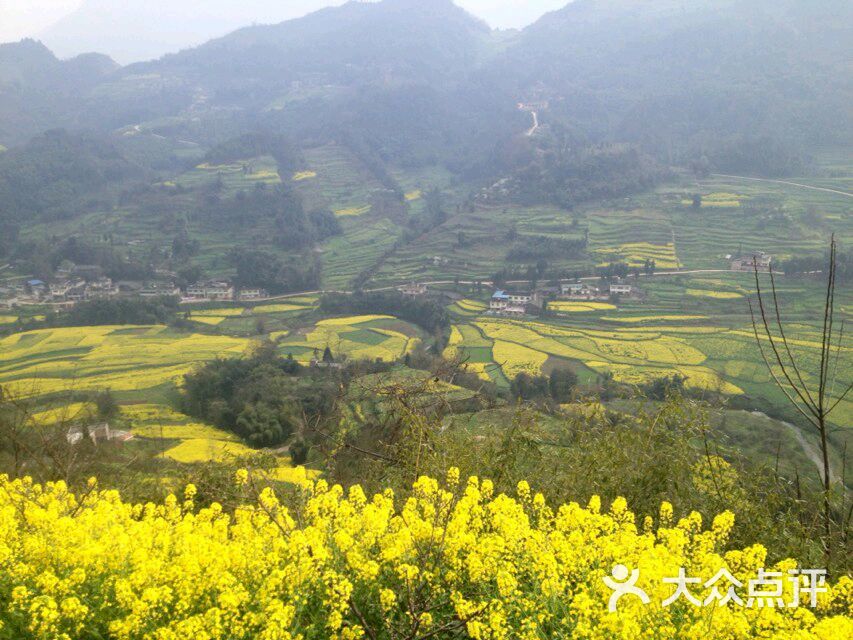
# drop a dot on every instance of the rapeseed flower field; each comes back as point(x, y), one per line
point(352, 211)
point(299, 176)
point(454, 559)
point(356, 337)
point(95, 358)
point(563, 306)
point(710, 293)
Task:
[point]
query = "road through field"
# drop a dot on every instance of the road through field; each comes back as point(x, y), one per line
point(488, 282)
point(792, 184)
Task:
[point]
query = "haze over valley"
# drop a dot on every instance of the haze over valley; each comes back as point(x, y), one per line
point(590, 253)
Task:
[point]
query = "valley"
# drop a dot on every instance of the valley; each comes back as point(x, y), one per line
point(329, 328)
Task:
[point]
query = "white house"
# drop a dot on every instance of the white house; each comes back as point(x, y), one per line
point(621, 289)
point(749, 262)
point(252, 294)
point(413, 290)
point(514, 302)
point(157, 289)
point(216, 290)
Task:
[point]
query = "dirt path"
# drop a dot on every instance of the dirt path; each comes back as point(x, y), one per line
point(791, 184)
point(810, 450)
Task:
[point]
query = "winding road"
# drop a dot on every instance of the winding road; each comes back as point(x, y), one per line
point(535, 126)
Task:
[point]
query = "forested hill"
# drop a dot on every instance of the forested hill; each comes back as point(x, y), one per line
point(679, 76)
point(740, 85)
point(395, 40)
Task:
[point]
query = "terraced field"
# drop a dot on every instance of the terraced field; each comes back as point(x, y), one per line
point(139, 230)
point(782, 220)
point(233, 319)
point(360, 247)
point(735, 216)
point(125, 359)
point(335, 179)
point(632, 235)
point(438, 254)
point(237, 175)
point(141, 365)
point(374, 337)
point(708, 339)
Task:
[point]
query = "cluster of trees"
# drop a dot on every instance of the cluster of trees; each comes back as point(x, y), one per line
point(263, 399)
point(532, 273)
point(294, 227)
point(427, 313)
point(9, 233)
point(531, 248)
point(256, 268)
point(762, 155)
point(118, 311)
point(557, 386)
point(568, 175)
point(44, 256)
point(251, 145)
point(57, 175)
point(366, 152)
point(818, 264)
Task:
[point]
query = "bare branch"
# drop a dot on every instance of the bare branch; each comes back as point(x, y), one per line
point(812, 408)
point(779, 383)
point(785, 339)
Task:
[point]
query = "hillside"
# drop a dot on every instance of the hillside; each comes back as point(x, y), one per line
point(682, 78)
point(743, 85)
point(393, 40)
point(49, 176)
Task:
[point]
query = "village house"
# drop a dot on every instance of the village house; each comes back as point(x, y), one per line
point(214, 290)
point(159, 289)
point(59, 290)
point(100, 289)
point(252, 294)
point(621, 289)
point(96, 432)
point(515, 303)
point(37, 288)
point(413, 290)
point(580, 291)
point(748, 262)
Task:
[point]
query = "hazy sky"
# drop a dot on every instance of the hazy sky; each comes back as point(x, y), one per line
point(27, 18)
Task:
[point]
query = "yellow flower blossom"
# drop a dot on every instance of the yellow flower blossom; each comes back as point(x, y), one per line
point(340, 564)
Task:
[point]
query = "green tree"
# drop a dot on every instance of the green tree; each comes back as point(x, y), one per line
point(106, 405)
point(561, 383)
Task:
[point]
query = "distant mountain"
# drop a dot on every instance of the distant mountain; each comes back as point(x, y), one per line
point(38, 91)
point(388, 41)
point(730, 83)
point(390, 74)
point(29, 63)
point(137, 30)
